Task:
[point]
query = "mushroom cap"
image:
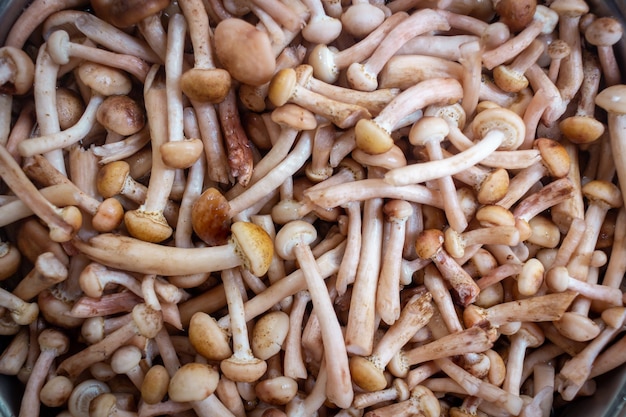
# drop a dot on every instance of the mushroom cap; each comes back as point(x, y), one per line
point(323, 30)
point(322, 59)
point(111, 178)
point(360, 19)
point(207, 338)
point(269, 333)
point(557, 279)
point(581, 129)
point(453, 243)
point(21, 67)
point(503, 120)
point(604, 31)
point(243, 369)
point(532, 333)
point(604, 191)
point(428, 129)
point(509, 79)
point(428, 243)
point(59, 47)
point(614, 316)
point(108, 216)
point(147, 320)
point(125, 13)
point(121, 114)
point(577, 327)
point(516, 14)
point(570, 8)
point(70, 107)
point(282, 86)
point(155, 384)
point(371, 137)
point(147, 226)
point(103, 405)
point(104, 80)
point(254, 246)
point(56, 391)
point(294, 116)
point(181, 154)
point(559, 49)
point(193, 382)
point(291, 234)
point(276, 391)
point(82, 395)
point(55, 340)
point(360, 78)
point(398, 210)
point(367, 374)
point(493, 187)
point(554, 156)
point(454, 113)
point(200, 84)
point(613, 99)
point(494, 215)
point(125, 358)
point(209, 217)
point(531, 277)
point(244, 51)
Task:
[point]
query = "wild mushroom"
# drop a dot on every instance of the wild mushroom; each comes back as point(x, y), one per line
point(367, 372)
point(497, 128)
point(604, 32)
point(204, 82)
point(52, 343)
point(124, 14)
point(231, 35)
point(292, 242)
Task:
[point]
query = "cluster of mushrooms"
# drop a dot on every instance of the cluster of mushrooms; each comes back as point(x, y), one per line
point(274, 208)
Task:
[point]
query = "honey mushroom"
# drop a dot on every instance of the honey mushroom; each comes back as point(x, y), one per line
point(529, 209)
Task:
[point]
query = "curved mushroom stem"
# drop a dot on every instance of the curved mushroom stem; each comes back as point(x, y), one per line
point(292, 241)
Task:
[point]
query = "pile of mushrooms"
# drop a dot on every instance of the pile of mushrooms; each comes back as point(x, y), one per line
point(309, 207)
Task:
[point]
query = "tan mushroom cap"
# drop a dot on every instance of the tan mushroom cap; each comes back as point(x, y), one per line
point(516, 14)
point(428, 243)
point(193, 382)
point(181, 154)
point(281, 86)
point(254, 246)
point(613, 99)
point(604, 191)
point(207, 338)
point(269, 333)
point(244, 51)
point(104, 80)
point(111, 178)
point(294, 116)
point(147, 226)
point(155, 384)
point(554, 156)
point(371, 137)
point(293, 233)
point(581, 129)
point(604, 31)
point(70, 107)
point(367, 374)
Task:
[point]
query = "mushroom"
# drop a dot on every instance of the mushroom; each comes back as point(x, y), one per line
point(604, 32)
point(204, 82)
point(285, 88)
point(83, 393)
point(244, 51)
point(498, 129)
point(367, 372)
point(511, 77)
point(292, 243)
point(611, 99)
point(249, 245)
point(327, 63)
point(321, 28)
point(242, 366)
point(387, 295)
point(374, 136)
point(145, 322)
point(364, 76)
point(528, 336)
point(558, 279)
point(17, 69)
point(124, 14)
point(421, 401)
point(61, 49)
point(52, 343)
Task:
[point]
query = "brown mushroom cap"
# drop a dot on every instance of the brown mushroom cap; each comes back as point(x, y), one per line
point(70, 107)
point(604, 31)
point(125, 13)
point(202, 85)
point(515, 14)
point(244, 51)
point(209, 217)
point(121, 114)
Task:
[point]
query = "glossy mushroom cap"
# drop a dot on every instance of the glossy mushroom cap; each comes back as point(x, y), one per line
point(125, 13)
point(502, 120)
point(613, 99)
point(294, 233)
point(121, 114)
point(193, 382)
point(209, 217)
point(104, 80)
point(516, 14)
point(203, 85)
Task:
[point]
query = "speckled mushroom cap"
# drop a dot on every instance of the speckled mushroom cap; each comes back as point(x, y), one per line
point(254, 246)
